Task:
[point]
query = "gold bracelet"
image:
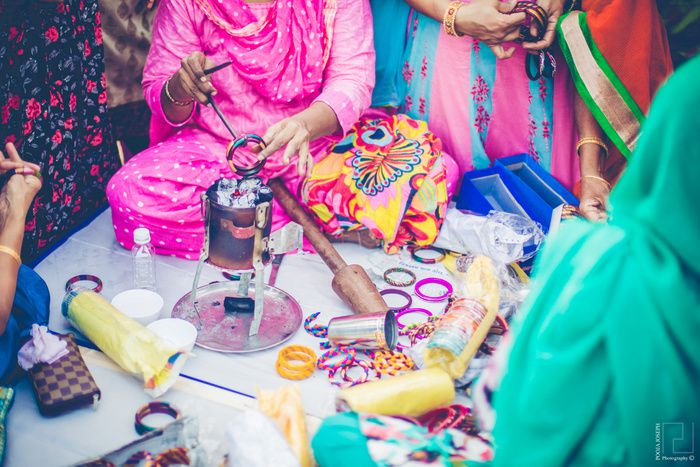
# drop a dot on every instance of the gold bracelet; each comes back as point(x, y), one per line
point(448, 22)
point(600, 179)
point(172, 99)
point(9, 251)
point(591, 140)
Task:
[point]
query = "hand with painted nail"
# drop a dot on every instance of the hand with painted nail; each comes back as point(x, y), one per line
point(293, 135)
point(190, 83)
point(488, 21)
point(14, 162)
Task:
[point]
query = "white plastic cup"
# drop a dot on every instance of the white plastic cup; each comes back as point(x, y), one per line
point(143, 305)
point(179, 333)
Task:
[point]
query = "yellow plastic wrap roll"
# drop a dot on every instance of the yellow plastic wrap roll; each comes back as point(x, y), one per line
point(411, 394)
point(131, 345)
point(460, 333)
point(285, 408)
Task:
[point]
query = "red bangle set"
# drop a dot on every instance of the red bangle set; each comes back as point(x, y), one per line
point(454, 416)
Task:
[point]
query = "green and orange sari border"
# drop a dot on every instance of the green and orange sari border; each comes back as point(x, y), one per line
point(596, 109)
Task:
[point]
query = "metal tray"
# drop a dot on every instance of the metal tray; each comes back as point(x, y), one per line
point(228, 332)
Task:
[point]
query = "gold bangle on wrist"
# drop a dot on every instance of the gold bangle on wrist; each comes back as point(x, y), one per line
point(591, 140)
point(172, 99)
point(448, 21)
point(600, 179)
point(12, 253)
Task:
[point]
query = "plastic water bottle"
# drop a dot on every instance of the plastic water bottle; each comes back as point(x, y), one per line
point(144, 258)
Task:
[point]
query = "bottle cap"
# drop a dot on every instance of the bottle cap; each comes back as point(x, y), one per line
point(142, 236)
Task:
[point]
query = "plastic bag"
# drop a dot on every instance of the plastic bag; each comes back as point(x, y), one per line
point(463, 328)
point(503, 237)
point(255, 441)
point(285, 408)
point(131, 345)
point(411, 394)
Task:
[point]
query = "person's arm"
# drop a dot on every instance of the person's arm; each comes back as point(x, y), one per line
point(483, 20)
point(346, 94)
point(594, 190)
point(15, 199)
point(173, 71)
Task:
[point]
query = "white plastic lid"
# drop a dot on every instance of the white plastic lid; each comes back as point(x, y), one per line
point(142, 236)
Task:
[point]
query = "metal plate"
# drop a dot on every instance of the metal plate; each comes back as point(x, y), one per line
point(228, 332)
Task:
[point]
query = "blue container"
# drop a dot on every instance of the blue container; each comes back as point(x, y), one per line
point(541, 192)
point(493, 189)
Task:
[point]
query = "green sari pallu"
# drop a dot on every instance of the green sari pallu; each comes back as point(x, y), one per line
point(605, 366)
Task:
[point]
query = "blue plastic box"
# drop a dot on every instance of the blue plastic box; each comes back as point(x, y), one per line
point(541, 191)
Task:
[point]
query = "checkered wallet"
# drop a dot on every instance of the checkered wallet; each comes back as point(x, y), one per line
point(65, 384)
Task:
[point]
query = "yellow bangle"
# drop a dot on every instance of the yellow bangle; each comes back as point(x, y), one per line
point(591, 140)
point(600, 179)
point(296, 362)
point(9, 251)
point(448, 21)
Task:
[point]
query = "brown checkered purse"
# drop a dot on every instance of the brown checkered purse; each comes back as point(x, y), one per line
point(66, 384)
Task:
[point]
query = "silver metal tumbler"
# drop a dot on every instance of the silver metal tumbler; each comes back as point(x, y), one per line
point(368, 331)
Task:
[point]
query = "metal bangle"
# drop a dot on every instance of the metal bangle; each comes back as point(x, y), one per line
point(401, 293)
point(84, 277)
point(433, 280)
point(396, 283)
point(172, 99)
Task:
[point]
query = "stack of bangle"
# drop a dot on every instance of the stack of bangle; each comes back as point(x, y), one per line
point(536, 16)
point(296, 362)
point(426, 260)
point(448, 21)
point(455, 416)
point(172, 99)
point(391, 363)
point(397, 283)
point(151, 408)
point(317, 330)
point(84, 277)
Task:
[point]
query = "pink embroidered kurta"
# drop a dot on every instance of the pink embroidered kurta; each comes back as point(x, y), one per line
point(160, 188)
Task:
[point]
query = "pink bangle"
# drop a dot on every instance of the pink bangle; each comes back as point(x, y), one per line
point(433, 280)
point(403, 294)
point(408, 311)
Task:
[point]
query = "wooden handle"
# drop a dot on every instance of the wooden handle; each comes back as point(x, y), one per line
point(312, 232)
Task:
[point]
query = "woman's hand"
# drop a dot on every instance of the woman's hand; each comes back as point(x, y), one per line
point(22, 186)
point(594, 199)
point(488, 21)
point(554, 9)
point(16, 163)
point(293, 133)
point(190, 82)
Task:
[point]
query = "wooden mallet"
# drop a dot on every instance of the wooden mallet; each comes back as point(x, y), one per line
point(350, 281)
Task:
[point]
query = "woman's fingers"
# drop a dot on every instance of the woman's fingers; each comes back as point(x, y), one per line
point(194, 65)
point(501, 53)
point(292, 149)
point(282, 137)
point(305, 154)
point(190, 88)
point(15, 162)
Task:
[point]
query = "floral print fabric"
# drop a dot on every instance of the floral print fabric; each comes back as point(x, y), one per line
point(388, 175)
point(53, 107)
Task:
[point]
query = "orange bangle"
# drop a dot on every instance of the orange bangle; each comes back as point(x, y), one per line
point(12, 253)
point(592, 140)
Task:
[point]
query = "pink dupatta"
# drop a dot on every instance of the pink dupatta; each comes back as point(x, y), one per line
point(282, 54)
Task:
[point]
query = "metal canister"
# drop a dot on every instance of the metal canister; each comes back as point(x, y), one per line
point(230, 234)
point(368, 331)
